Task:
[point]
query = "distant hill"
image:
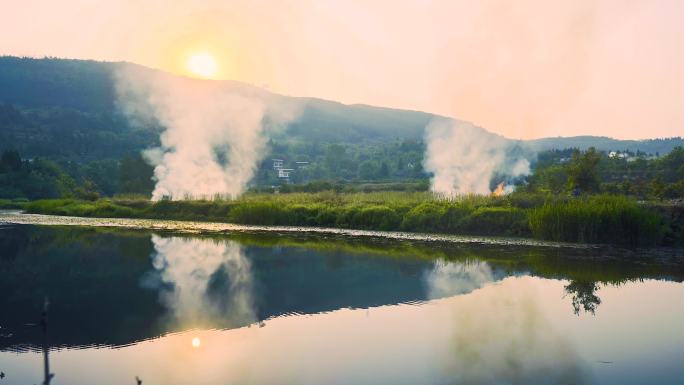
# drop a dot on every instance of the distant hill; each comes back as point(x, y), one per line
point(41, 98)
point(650, 146)
point(66, 108)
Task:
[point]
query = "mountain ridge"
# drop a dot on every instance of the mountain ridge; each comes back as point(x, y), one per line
point(84, 90)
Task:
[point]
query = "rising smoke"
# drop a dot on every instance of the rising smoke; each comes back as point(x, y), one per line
point(465, 159)
point(214, 132)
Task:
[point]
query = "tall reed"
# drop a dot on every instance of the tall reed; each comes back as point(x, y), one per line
point(599, 219)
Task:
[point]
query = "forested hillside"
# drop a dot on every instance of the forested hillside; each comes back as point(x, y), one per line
point(61, 115)
point(76, 99)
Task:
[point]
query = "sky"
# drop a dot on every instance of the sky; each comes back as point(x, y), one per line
point(524, 69)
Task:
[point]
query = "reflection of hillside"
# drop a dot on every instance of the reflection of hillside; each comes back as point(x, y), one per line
point(606, 265)
point(115, 287)
point(92, 280)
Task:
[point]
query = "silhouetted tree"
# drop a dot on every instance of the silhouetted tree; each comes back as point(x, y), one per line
point(135, 176)
point(10, 161)
point(88, 191)
point(583, 296)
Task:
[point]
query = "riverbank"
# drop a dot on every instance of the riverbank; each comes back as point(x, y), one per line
point(17, 217)
point(599, 219)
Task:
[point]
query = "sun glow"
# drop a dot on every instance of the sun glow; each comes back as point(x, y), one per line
point(202, 64)
point(196, 342)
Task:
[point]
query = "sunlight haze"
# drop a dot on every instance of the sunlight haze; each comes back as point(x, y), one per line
point(524, 69)
point(348, 192)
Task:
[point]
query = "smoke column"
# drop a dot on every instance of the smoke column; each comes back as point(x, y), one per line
point(214, 131)
point(464, 159)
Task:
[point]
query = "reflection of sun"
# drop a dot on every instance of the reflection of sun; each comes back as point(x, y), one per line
point(196, 342)
point(202, 64)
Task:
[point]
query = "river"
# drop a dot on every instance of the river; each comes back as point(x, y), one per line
point(198, 303)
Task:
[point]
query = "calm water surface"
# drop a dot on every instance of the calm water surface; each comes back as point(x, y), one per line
point(243, 308)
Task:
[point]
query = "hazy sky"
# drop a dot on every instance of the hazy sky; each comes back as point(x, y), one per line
point(523, 68)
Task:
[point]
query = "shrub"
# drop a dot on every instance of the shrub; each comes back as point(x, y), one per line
point(424, 217)
point(301, 215)
point(454, 218)
point(258, 213)
point(496, 221)
point(376, 218)
point(327, 217)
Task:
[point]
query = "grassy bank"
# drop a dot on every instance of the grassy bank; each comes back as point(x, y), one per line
point(599, 219)
point(9, 204)
point(602, 219)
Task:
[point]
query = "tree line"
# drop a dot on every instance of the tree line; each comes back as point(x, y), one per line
point(41, 178)
point(370, 167)
point(623, 173)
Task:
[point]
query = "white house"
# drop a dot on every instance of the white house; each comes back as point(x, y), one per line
point(277, 164)
point(284, 172)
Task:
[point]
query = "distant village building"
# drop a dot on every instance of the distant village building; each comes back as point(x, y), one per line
point(631, 157)
point(284, 172)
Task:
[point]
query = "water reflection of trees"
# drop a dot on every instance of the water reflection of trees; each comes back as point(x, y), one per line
point(584, 296)
point(93, 275)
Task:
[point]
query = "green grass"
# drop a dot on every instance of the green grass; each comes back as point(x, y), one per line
point(12, 203)
point(71, 207)
point(600, 219)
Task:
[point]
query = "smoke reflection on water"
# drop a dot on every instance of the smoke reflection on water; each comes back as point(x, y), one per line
point(497, 335)
point(203, 283)
point(501, 335)
point(447, 279)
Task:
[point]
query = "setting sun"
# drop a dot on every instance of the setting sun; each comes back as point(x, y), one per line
point(202, 64)
point(196, 342)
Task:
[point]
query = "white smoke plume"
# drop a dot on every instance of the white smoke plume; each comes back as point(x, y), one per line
point(464, 159)
point(214, 131)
